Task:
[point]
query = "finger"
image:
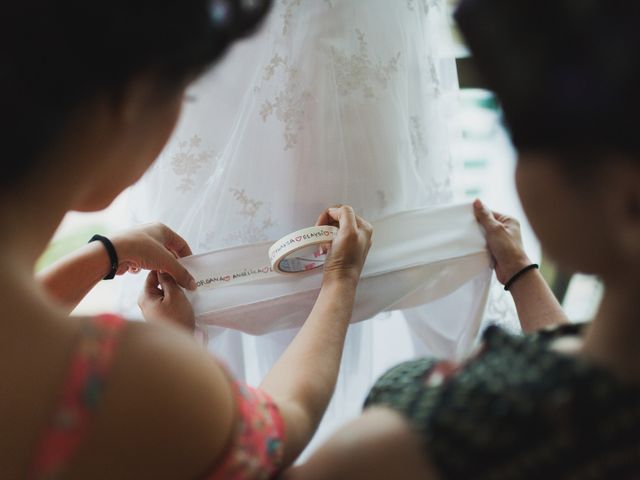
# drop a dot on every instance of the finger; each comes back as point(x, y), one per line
point(177, 244)
point(170, 265)
point(326, 219)
point(484, 216)
point(363, 224)
point(151, 285)
point(506, 220)
point(501, 217)
point(497, 214)
point(345, 217)
point(169, 286)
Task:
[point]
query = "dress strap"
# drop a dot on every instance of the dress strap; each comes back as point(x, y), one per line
point(79, 398)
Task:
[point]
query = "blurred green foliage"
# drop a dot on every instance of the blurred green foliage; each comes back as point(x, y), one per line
point(64, 245)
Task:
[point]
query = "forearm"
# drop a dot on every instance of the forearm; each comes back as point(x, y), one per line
point(303, 379)
point(70, 279)
point(536, 304)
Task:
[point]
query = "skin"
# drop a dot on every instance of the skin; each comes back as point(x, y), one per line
point(163, 387)
point(596, 229)
point(536, 305)
point(593, 227)
point(149, 247)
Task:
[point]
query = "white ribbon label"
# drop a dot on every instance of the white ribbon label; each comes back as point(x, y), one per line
point(246, 274)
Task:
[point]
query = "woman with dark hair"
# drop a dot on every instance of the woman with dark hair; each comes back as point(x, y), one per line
point(562, 402)
point(90, 96)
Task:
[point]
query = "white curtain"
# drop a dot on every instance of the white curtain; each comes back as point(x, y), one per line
point(333, 101)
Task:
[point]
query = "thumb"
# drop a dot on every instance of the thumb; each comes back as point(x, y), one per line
point(151, 289)
point(169, 286)
point(484, 216)
point(150, 292)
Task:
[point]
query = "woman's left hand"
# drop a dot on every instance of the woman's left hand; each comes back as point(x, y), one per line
point(164, 301)
point(504, 241)
point(153, 247)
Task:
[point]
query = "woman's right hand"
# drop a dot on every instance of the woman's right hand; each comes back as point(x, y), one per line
point(162, 300)
point(504, 241)
point(349, 249)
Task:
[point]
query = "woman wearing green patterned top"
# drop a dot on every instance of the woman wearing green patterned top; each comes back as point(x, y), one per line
point(562, 401)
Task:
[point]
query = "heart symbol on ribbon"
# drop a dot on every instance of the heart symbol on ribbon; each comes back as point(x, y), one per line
point(326, 233)
point(298, 238)
point(227, 278)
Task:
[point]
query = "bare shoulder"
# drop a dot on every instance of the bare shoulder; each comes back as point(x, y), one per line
point(167, 409)
point(377, 445)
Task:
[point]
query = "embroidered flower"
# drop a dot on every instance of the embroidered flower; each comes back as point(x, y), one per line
point(188, 160)
point(358, 72)
point(289, 104)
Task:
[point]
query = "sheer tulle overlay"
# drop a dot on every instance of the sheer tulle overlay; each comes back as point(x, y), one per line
point(333, 101)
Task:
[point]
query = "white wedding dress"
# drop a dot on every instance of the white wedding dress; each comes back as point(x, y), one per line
point(333, 101)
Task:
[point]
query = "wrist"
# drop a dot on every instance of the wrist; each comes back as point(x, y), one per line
point(124, 247)
point(523, 280)
point(119, 242)
point(99, 242)
point(513, 266)
point(343, 280)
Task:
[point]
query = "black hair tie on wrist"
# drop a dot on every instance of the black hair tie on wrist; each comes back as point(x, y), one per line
point(113, 256)
point(513, 279)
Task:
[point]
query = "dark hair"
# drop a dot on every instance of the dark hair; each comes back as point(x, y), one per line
point(566, 72)
point(55, 54)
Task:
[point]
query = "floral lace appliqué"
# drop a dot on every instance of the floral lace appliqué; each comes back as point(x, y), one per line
point(188, 160)
point(257, 220)
point(288, 105)
point(426, 4)
point(438, 187)
point(358, 72)
point(439, 191)
point(289, 7)
point(418, 145)
point(435, 77)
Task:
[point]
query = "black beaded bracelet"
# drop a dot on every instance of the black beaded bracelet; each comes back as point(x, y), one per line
point(113, 256)
point(513, 279)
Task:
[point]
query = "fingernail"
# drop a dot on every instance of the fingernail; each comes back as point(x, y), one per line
point(192, 284)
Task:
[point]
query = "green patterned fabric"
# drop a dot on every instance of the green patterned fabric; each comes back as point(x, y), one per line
point(518, 410)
